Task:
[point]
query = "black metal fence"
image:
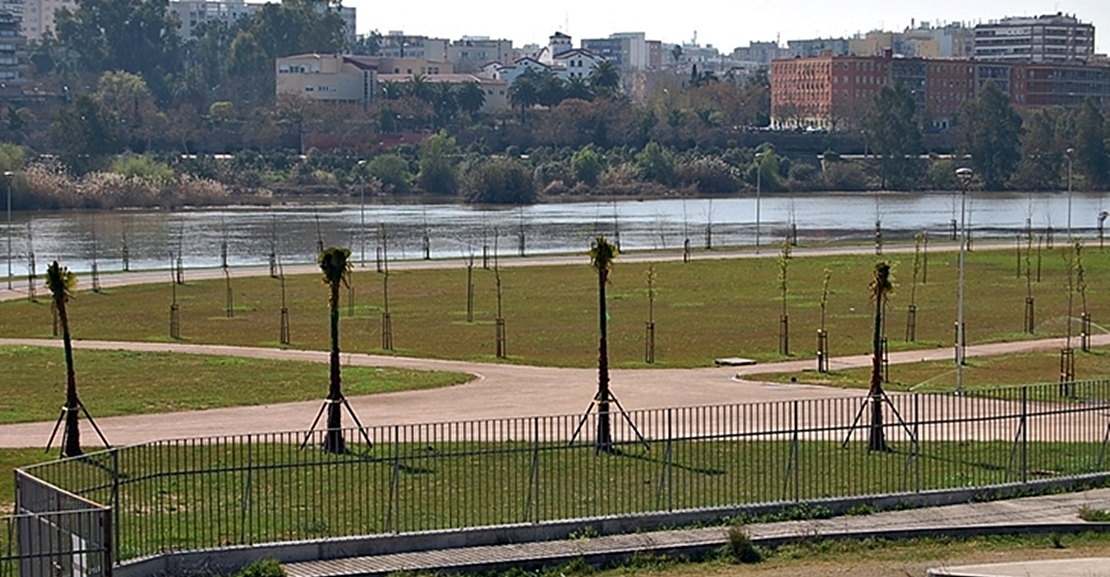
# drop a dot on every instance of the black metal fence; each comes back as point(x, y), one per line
point(54, 534)
point(218, 491)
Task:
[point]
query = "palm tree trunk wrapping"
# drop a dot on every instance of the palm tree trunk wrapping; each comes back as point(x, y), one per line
point(72, 433)
point(333, 442)
point(877, 438)
point(604, 433)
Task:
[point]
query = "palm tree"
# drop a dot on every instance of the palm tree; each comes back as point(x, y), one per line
point(605, 79)
point(602, 255)
point(336, 266)
point(881, 288)
point(61, 283)
point(471, 97)
point(444, 102)
point(578, 87)
point(524, 92)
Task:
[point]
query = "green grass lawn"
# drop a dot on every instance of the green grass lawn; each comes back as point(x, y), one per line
point(704, 309)
point(1026, 368)
point(126, 383)
point(299, 494)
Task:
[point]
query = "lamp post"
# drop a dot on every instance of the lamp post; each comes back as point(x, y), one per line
point(964, 174)
point(758, 194)
point(1070, 154)
point(1067, 359)
point(362, 214)
point(8, 179)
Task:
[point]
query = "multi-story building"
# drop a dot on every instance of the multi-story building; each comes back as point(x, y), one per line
point(472, 52)
point(397, 44)
point(13, 58)
point(38, 16)
point(830, 91)
point(817, 47)
point(1049, 38)
point(193, 13)
point(328, 77)
point(628, 50)
point(759, 53)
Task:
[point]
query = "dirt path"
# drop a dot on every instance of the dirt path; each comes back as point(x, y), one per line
point(498, 391)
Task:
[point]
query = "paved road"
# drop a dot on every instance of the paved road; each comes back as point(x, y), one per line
point(499, 391)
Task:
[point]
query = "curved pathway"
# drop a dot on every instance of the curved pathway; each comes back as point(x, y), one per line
point(499, 390)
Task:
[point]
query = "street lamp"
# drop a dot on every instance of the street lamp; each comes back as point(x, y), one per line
point(964, 175)
point(8, 179)
point(1067, 360)
point(362, 213)
point(1070, 153)
point(758, 194)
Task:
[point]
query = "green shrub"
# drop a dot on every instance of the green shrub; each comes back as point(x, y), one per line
point(586, 165)
point(740, 546)
point(262, 568)
point(392, 170)
point(708, 174)
point(499, 181)
point(144, 167)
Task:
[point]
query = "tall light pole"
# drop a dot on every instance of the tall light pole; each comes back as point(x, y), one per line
point(362, 213)
point(8, 179)
point(1070, 153)
point(964, 174)
point(758, 194)
point(1067, 360)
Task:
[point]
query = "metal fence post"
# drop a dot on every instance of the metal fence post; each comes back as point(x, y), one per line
point(796, 457)
point(917, 442)
point(114, 511)
point(667, 464)
point(1024, 435)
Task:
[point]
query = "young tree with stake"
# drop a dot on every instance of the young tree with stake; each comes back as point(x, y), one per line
point(881, 288)
point(336, 266)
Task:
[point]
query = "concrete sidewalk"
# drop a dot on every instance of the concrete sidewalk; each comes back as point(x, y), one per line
point(1032, 515)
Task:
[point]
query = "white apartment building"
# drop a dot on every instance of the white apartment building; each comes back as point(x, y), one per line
point(1049, 38)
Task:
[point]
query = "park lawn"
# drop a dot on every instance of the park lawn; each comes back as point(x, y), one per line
point(934, 376)
point(11, 459)
point(704, 309)
point(292, 494)
point(127, 383)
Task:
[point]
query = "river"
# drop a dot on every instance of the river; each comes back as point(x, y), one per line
point(293, 231)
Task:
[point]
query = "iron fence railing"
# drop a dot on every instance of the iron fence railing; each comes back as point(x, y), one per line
point(193, 493)
point(54, 533)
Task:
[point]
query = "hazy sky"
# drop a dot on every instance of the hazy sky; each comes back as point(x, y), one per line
point(723, 24)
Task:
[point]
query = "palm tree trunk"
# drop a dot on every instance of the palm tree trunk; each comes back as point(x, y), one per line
point(72, 432)
point(604, 430)
point(877, 438)
point(333, 441)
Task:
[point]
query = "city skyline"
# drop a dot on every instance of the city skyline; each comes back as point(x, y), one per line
point(724, 25)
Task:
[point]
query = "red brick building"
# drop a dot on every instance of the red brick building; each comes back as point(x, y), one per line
point(835, 92)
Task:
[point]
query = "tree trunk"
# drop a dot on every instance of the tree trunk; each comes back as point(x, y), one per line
point(877, 438)
point(72, 432)
point(604, 429)
point(333, 441)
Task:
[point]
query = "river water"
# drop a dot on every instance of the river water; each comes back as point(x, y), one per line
point(453, 231)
